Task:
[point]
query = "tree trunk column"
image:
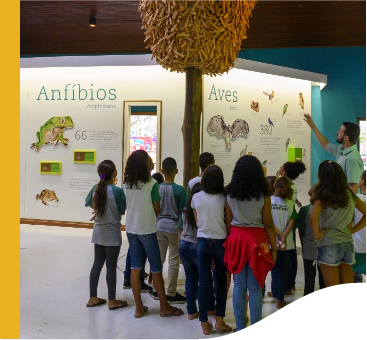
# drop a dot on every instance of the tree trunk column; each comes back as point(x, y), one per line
point(191, 123)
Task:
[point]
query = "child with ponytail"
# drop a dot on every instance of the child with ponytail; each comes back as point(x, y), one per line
point(283, 213)
point(292, 170)
point(108, 203)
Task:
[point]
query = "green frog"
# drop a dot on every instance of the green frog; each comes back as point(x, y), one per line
point(52, 132)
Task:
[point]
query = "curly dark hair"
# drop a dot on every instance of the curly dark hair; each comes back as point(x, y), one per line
point(137, 168)
point(248, 180)
point(282, 187)
point(212, 181)
point(294, 169)
point(106, 168)
point(189, 212)
point(332, 188)
point(270, 180)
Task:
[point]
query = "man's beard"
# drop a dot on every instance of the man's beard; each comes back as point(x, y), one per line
point(339, 140)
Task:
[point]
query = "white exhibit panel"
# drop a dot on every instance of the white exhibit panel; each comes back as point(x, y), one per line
point(85, 104)
point(248, 112)
point(72, 118)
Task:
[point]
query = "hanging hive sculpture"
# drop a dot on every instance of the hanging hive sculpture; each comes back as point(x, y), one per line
point(206, 35)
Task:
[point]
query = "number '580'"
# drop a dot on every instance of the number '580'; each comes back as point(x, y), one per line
point(266, 129)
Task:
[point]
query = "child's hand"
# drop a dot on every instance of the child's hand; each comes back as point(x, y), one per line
point(157, 211)
point(93, 216)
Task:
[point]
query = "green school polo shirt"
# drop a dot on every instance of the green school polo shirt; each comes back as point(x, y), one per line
point(349, 159)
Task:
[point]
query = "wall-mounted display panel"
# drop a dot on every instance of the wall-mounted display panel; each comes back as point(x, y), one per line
point(246, 112)
point(84, 156)
point(109, 110)
point(50, 167)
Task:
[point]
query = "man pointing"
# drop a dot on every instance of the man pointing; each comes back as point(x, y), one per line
point(347, 155)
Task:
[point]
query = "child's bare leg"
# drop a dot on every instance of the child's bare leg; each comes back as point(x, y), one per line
point(220, 325)
point(135, 286)
point(165, 307)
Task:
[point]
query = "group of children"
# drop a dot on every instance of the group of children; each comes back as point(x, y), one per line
point(244, 229)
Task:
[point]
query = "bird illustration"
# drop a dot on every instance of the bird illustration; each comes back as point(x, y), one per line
point(255, 106)
point(217, 126)
point(271, 95)
point(285, 108)
point(270, 122)
point(303, 152)
point(264, 163)
point(286, 144)
point(301, 101)
point(243, 152)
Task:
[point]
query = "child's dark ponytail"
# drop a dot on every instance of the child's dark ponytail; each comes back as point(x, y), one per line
point(189, 212)
point(294, 169)
point(105, 171)
point(282, 188)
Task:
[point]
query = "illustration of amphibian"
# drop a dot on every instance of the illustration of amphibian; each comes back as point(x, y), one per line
point(301, 101)
point(285, 108)
point(52, 132)
point(255, 106)
point(47, 196)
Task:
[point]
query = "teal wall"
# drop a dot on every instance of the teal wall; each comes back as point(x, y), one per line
point(342, 99)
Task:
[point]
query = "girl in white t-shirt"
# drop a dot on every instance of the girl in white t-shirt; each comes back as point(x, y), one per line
point(283, 213)
point(142, 206)
point(209, 206)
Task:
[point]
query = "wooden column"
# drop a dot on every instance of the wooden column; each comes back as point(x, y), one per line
point(191, 123)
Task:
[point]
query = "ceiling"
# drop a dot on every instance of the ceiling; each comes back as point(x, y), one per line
point(62, 27)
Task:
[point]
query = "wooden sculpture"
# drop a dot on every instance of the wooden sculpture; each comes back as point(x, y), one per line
point(196, 37)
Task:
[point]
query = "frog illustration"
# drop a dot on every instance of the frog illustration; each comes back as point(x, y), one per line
point(52, 132)
point(47, 196)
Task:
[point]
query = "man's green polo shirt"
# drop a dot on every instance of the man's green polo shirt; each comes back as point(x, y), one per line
point(349, 159)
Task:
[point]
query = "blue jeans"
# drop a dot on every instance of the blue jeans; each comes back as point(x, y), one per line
point(207, 249)
point(279, 274)
point(243, 281)
point(127, 272)
point(189, 259)
point(142, 246)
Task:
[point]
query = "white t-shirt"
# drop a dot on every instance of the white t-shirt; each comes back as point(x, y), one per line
point(359, 237)
point(210, 215)
point(193, 181)
point(281, 211)
point(140, 215)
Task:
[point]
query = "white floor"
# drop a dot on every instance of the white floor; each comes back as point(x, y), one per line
point(54, 271)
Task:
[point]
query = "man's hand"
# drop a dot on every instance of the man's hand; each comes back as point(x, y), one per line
point(308, 119)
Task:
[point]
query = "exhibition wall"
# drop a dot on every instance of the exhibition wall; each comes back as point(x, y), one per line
point(81, 109)
point(344, 97)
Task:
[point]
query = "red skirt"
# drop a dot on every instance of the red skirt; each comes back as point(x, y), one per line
point(248, 244)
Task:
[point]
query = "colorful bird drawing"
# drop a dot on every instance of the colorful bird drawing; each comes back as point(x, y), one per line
point(264, 163)
point(270, 95)
point(270, 122)
point(286, 144)
point(285, 108)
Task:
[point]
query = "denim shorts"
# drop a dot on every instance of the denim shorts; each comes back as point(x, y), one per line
point(335, 254)
point(144, 245)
